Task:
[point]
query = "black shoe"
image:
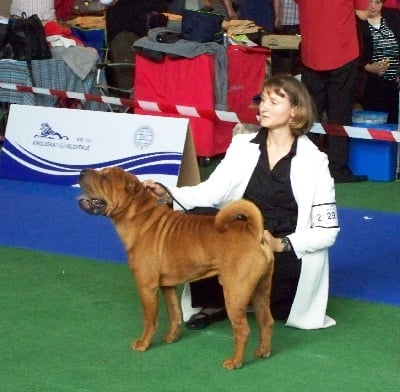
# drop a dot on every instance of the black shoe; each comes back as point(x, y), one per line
point(353, 178)
point(202, 320)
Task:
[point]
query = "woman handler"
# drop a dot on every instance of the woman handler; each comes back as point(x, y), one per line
point(287, 177)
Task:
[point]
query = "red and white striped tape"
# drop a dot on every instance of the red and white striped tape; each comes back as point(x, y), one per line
point(337, 130)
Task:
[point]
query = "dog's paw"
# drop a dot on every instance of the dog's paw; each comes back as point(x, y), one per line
point(230, 364)
point(261, 352)
point(138, 345)
point(169, 337)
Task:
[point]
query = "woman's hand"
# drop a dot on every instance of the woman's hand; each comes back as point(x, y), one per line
point(378, 67)
point(274, 243)
point(155, 188)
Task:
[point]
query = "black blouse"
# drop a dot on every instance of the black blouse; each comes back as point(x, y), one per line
point(271, 190)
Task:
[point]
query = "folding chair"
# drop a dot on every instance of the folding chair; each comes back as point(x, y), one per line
point(118, 68)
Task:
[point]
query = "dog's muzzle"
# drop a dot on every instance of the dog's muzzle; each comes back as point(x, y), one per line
point(92, 206)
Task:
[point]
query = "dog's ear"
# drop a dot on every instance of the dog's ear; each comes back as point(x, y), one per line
point(133, 186)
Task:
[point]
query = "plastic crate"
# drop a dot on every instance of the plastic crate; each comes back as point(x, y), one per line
point(375, 158)
point(369, 117)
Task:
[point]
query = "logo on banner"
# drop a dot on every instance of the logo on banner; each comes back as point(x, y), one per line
point(54, 139)
point(46, 131)
point(144, 137)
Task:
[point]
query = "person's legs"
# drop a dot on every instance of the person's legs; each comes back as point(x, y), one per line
point(392, 99)
point(340, 94)
point(316, 82)
point(381, 95)
point(206, 293)
point(333, 93)
point(287, 268)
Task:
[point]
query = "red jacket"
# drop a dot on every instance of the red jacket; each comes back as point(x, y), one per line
point(63, 9)
point(328, 32)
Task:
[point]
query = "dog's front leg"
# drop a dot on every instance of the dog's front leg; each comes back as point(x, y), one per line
point(174, 314)
point(149, 301)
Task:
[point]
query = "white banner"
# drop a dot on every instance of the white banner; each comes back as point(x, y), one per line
point(53, 145)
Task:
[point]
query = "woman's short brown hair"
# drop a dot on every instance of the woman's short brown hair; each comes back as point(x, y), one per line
point(299, 97)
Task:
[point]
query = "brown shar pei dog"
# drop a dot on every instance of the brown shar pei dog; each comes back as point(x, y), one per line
point(166, 248)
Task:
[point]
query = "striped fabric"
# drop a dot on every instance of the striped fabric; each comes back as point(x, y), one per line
point(386, 46)
point(289, 13)
point(52, 74)
point(43, 8)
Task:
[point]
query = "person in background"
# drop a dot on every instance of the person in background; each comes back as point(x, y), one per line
point(63, 9)
point(176, 6)
point(392, 4)
point(286, 22)
point(259, 11)
point(287, 16)
point(223, 7)
point(130, 16)
point(380, 35)
point(126, 22)
point(44, 9)
point(329, 53)
point(47, 10)
point(282, 171)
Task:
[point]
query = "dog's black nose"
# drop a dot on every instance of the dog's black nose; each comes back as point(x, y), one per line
point(83, 173)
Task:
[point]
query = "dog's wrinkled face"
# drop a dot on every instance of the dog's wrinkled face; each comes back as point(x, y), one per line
point(107, 191)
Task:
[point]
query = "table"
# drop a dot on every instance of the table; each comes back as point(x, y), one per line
point(50, 74)
point(285, 56)
point(192, 82)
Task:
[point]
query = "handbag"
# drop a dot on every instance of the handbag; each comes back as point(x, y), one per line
point(26, 38)
point(88, 7)
point(201, 26)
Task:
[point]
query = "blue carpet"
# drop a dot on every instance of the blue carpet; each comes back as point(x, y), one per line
point(47, 218)
point(365, 262)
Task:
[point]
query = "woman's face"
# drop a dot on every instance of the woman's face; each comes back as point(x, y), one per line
point(375, 7)
point(276, 111)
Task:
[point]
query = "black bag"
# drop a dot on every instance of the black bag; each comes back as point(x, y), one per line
point(26, 38)
point(201, 26)
point(88, 7)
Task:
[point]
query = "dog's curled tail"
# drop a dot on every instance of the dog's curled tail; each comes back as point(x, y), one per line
point(244, 215)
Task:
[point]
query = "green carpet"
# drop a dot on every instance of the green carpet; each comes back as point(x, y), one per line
point(67, 324)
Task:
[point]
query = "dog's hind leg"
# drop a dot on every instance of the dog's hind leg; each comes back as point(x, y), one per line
point(236, 307)
point(174, 314)
point(149, 299)
point(261, 307)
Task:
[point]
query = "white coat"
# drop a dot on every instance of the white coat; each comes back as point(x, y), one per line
point(312, 185)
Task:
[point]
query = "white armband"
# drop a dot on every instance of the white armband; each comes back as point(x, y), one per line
point(324, 215)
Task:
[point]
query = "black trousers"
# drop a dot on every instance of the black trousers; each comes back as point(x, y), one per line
point(286, 61)
point(333, 94)
point(381, 95)
point(208, 293)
